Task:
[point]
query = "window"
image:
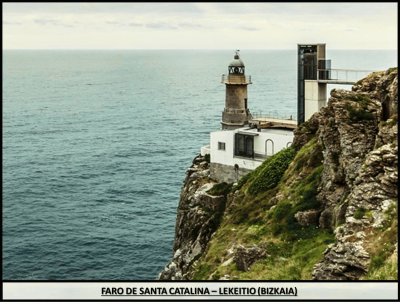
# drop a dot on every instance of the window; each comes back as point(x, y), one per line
point(221, 146)
point(244, 145)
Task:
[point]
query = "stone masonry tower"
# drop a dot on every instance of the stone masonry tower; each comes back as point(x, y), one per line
point(236, 114)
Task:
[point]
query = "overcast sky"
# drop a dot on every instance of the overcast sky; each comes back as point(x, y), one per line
point(198, 25)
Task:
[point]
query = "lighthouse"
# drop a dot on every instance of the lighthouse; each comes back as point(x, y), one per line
point(244, 141)
point(236, 114)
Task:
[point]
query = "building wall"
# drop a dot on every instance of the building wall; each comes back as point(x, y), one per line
point(225, 173)
point(226, 157)
point(235, 114)
point(220, 156)
point(314, 97)
point(234, 96)
point(279, 138)
point(205, 150)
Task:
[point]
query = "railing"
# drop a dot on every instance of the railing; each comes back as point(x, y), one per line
point(274, 115)
point(341, 75)
point(235, 79)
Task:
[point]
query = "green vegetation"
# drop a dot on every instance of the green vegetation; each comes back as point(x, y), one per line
point(360, 112)
point(283, 220)
point(362, 99)
point(207, 158)
point(220, 189)
point(309, 156)
point(390, 122)
point(383, 264)
point(244, 179)
point(271, 172)
point(290, 260)
point(262, 213)
point(359, 213)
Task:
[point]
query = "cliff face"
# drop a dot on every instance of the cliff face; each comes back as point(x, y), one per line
point(359, 182)
point(199, 214)
point(324, 209)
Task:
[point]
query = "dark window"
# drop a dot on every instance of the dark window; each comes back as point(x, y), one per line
point(244, 145)
point(221, 146)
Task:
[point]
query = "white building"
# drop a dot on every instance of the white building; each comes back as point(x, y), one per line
point(234, 153)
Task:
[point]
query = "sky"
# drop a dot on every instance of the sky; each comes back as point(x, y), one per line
point(198, 25)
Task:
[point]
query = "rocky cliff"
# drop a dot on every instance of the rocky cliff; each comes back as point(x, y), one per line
point(326, 208)
point(200, 209)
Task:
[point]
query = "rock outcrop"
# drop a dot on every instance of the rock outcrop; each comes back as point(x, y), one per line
point(359, 184)
point(199, 214)
point(244, 257)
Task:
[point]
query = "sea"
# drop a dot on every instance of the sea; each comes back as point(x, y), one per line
point(96, 144)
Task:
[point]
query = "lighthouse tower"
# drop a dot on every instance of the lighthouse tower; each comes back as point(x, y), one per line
point(236, 114)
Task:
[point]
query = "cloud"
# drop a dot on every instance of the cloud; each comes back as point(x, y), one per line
point(249, 28)
point(51, 22)
point(120, 23)
point(135, 24)
point(202, 24)
point(190, 25)
point(102, 8)
point(12, 23)
point(161, 25)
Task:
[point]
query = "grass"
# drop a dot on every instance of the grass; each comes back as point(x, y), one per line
point(286, 260)
point(383, 264)
point(290, 260)
point(258, 216)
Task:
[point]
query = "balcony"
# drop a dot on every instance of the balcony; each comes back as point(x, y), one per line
point(235, 79)
point(341, 76)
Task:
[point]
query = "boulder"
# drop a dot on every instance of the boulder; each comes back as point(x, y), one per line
point(307, 218)
point(244, 257)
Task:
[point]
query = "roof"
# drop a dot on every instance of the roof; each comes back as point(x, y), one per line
point(237, 62)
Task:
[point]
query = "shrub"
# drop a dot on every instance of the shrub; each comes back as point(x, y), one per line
point(281, 210)
point(359, 213)
point(272, 171)
point(242, 181)
point(361, 112)
point(220, 189)
point(360, 98)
